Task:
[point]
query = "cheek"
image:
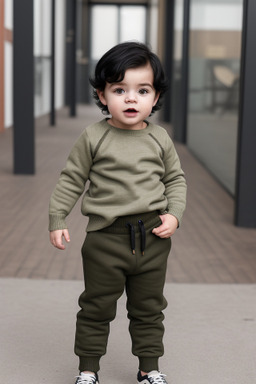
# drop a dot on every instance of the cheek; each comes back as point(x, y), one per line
point(150, 104)
point(113, 107)
point(114, 102)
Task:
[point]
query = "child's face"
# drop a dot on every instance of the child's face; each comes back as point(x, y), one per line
point(130, 101)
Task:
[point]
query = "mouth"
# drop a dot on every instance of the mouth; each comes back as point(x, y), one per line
point(131, 111)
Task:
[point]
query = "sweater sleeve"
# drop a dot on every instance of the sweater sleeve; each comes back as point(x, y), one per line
point(174, 181)
point(71, 183)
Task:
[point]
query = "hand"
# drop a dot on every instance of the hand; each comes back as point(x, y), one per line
point(168, 226)
point(56, 238)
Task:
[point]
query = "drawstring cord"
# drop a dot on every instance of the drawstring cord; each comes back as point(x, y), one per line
point(132, 236)
point(143, 236)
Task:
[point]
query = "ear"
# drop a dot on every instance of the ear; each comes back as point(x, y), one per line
point(156, 98)
point(101, 96)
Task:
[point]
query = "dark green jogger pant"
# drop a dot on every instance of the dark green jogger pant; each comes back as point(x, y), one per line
point(110, 266)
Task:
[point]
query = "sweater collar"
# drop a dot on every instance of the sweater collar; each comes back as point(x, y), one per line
point(139, 132)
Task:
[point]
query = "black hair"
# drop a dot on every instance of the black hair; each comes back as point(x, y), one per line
point(112, 66)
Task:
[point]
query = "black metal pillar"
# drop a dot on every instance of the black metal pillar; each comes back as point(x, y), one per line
point(71, 9)
point(52, 96)
point(245, 200)
point(23, 87)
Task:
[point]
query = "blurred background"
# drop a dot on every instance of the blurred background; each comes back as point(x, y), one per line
point(48, 50)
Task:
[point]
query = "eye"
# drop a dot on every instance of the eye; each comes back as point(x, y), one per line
point(119, 91)
point(143, 91)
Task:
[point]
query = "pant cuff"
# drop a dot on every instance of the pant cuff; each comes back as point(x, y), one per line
point(89, 363)
point(147, 364)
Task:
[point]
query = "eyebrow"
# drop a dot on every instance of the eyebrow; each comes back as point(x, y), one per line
point(146, 85)
point(123, 84)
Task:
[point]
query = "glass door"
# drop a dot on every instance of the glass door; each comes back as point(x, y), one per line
point(214, 67)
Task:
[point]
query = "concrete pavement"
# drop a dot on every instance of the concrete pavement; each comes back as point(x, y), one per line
point(210, 334)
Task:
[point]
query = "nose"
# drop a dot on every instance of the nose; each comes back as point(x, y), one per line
point(131, 97)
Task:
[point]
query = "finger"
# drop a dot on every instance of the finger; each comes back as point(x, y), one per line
point(164, 234)
point(58, 243)
point(159, 229)
point(66, 235)
point(60, 246)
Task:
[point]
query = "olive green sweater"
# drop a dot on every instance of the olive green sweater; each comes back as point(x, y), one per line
point(130, 172)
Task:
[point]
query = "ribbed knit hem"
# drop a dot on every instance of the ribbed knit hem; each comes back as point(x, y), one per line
point(56, 221)
point(148, 364)
point(89, 364)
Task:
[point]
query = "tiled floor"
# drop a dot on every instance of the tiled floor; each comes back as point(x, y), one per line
point(207, 248)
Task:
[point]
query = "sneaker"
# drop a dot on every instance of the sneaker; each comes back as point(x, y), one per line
point(153, 377)
point(87, 378)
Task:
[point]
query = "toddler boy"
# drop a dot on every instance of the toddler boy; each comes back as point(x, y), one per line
point(135, 202)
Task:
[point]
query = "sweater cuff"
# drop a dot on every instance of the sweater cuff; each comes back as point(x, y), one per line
point(57, 222)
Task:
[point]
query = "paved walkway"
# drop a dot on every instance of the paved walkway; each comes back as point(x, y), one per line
point(210, 335)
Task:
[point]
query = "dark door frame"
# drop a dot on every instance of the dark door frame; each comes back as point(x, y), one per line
point(245, 199)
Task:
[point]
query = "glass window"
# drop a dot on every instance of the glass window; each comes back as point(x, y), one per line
point(214, 66)
point(124, 23)
point(42, 56)
point(177, 64)
point(132, 23)
point(8, 63)
point(103, 36)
